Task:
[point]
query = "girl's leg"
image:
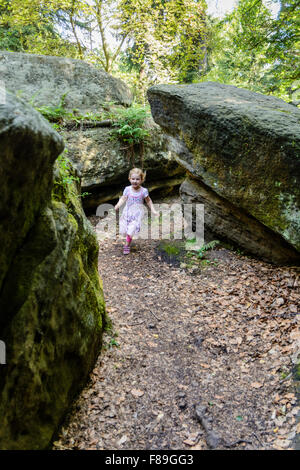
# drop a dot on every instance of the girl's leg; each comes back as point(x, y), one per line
point(126, 249)
point(128, 239)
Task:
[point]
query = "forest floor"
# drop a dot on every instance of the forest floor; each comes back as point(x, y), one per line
point(200, 355)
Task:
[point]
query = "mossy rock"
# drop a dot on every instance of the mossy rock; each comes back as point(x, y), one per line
point(29, 147)
point(44, 79)
point(244, 146)
point(51, 302)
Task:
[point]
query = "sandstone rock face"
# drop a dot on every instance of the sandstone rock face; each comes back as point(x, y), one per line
point(227, 222)
point(29, 147)
point(242, 145)
point(51, 299)
point(43, 80)
point(104, 162)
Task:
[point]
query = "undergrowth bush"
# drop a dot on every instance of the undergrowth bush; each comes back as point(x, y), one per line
point(129, 124)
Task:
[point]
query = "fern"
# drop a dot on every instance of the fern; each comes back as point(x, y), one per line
point(208, 246)
point(129, 124)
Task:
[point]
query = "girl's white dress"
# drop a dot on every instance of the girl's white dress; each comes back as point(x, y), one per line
point(132, 214)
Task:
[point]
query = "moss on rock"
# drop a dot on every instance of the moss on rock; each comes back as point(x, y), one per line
point(243, 145)
point(52, 316)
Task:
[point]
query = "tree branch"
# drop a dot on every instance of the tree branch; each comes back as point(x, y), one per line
point(71, 16)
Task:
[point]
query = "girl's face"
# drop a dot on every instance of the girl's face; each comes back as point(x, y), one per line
point(135, 180)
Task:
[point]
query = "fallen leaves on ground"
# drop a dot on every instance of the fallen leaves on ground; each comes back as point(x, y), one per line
point(226, 337)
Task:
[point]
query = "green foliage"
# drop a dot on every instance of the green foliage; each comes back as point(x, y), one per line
point(170, 41)
point(162, 40)
point(57, 113)
point(59, 116)
point(12, 40)
point(205, 248)
point(131, 134)
point(167, 39)
point(252, 49)
point(13, 35)
point(63, 188)
point(31, 26)
point(113, 343)
point(181, 253)
point(129, 124)
point(170, 248)
point(65, 167)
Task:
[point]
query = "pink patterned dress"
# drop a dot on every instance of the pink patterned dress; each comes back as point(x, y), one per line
point(132, 214)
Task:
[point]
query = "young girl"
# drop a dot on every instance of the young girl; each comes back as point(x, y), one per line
point(134, 196)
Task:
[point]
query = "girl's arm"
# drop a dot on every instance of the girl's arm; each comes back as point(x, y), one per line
point(122, 200)
point(150, 205)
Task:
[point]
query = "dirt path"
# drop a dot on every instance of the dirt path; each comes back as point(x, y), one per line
point(223, 339)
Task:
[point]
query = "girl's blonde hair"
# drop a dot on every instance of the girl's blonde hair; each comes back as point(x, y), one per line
point(139, 172)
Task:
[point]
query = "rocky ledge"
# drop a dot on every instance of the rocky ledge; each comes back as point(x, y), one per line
point(244, 147)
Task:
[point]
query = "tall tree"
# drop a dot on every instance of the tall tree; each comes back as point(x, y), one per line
point(163, 39)
point(30, 25)
point(251, 48)
point(93, 26)
point(166, 37)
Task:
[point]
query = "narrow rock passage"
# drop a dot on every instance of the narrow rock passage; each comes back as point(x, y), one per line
point(222, 339)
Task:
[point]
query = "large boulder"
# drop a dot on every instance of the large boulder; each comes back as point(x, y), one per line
point(43, 80)
point(29, 147)
point(244, 146)
point(102, 160)
point(51, 298)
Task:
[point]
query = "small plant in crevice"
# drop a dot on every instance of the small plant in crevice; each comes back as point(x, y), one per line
point(129, 124)
point(58, 115)
point(63, 184)
point(55, 114)
point(129, 128)
point(111, 342)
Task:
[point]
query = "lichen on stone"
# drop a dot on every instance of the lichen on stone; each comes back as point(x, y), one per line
point(51, 300)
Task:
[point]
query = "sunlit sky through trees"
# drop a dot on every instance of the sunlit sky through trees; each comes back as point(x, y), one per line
point(219, 8)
